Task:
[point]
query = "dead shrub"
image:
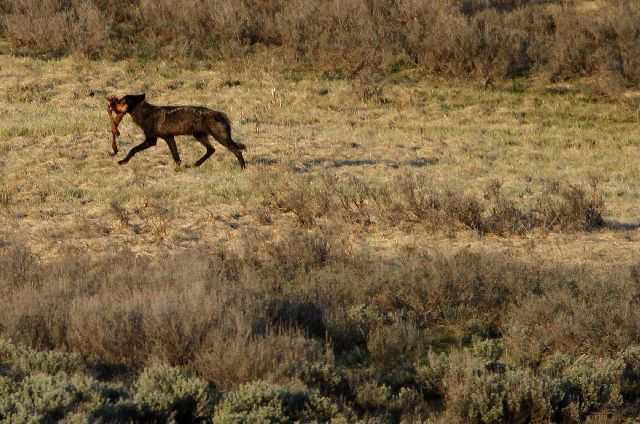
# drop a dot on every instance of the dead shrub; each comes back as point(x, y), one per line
point(604, 42)
point(19, 268)
point(590, 317)
point(109, 331)
point(572, 209)
point(54, 26)
point(36, 318)
point(300, 196)
point(299, 251)
point(157, 218)
point(338, 35)
point(178, 25)
point(465, 286)
point(382, 333)
point(230, 360)
point(344, 333)
point(464, 209)
point(411, 199)
point(354, 196)
point(283, 313)
point(393, 346)
point(177, 323)
point(506, 218)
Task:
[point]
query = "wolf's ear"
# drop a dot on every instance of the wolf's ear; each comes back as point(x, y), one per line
point(138, 99)
point(133, 100)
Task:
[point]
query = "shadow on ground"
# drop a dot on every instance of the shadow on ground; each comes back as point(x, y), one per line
point(620, 226)
point(309, 164)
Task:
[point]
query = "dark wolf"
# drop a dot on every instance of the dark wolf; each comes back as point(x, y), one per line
point(166, 122)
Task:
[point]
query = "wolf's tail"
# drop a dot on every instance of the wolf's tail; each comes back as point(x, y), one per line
point(227, 127)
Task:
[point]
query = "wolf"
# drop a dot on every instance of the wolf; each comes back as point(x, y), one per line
point(166, 122)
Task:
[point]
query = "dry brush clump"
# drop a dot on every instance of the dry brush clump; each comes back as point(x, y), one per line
point(56, 27)
point(481, 38)
point(411, 200)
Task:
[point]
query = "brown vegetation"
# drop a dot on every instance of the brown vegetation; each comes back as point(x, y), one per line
point(306, 313)
point(482, 38)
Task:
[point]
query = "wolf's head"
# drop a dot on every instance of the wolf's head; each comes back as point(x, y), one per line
point(128, 103)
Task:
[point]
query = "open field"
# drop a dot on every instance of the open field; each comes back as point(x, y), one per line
point(62, 191)
point(396, 245)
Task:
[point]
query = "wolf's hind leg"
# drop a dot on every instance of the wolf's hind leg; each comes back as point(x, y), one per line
point(228, 142)
point(204, 140)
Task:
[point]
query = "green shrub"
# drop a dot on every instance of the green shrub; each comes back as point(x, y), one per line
point(476, 394)
point(631, 375)
point(46, 398)
point(122, 411)
point(168, 392)
point(488, 350)
point(563, 389)
point(381, 399)
point(265, 402)
point(431, 374)
point(372, 396)
point(593, 384)
point(26, 361)
point(323, 377)
point(7, 388)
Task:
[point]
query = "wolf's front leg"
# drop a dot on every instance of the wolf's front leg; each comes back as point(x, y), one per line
point(148, 142)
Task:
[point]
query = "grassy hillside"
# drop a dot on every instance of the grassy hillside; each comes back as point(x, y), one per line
point(399, 248)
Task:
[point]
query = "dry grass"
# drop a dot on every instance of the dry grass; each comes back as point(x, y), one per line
point(317, 159)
